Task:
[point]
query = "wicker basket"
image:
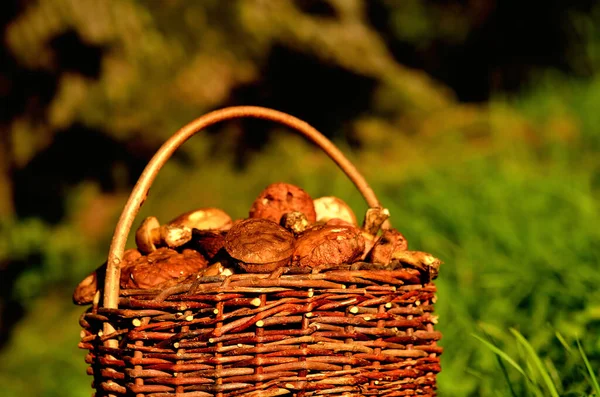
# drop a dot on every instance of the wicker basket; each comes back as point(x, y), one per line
point(354, 330)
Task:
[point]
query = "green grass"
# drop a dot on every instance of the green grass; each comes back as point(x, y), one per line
point(42, 358)
point(538, 378)
point(520, 250)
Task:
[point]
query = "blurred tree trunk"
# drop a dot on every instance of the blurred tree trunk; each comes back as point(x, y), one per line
point(6, 199)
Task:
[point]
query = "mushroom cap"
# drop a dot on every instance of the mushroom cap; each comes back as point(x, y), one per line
point(328, 245)
point(86, 289)
point(390, 242)
point(129, 256)
point(259, 241)
point(330, 207)
point(204, 219)
point(208, 242)
point(161, 268)
point(144, 238)
point(263, 267)
point(280, 198)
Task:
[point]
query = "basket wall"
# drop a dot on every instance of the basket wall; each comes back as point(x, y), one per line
point(340, 332)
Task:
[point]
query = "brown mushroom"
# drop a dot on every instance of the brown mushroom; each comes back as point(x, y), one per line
point(87, 288)
point(147, 235)
point(163, 267)
point(369, 244)
point(422, 261)
point(151, 234)
point(204, 219)
point(328, 245)
point(280, 198)
point(387, 244)
point(85, 291)
point(259, 245)
point(208, 242)
point(330, 207)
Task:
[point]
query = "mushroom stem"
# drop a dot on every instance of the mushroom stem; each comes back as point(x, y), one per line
point(151, 234)
point(374, 219)
point(173, 236)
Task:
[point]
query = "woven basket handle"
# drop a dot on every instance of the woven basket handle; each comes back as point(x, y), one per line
point(140, 190)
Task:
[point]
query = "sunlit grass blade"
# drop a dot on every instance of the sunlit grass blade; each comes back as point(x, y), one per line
point(563, 341)
point(554, 374)
point(588, 366)
point(503, 355)
point(538, 363)
point(504, 370)
point(531, 384)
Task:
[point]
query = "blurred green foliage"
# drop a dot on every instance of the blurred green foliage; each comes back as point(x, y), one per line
point(506, 192)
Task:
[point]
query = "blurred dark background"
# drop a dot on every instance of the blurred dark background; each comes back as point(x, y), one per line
point(475, 121)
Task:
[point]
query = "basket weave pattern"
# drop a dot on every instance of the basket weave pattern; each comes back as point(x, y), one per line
point(337, 333)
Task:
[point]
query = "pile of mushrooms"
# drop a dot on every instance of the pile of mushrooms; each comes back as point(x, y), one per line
point(286, 228)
